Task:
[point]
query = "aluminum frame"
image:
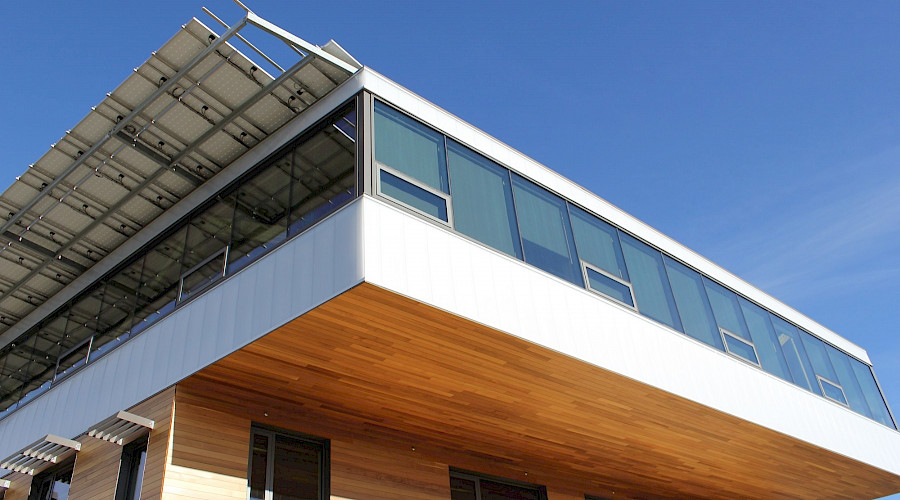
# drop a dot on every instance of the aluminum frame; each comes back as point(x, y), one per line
point(271, 433)
point(822, 380)
point(379, 167)
point(726, 334)
point(222, 252)
point(587, 283)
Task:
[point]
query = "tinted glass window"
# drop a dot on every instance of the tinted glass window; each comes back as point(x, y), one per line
point(872, 394)
point(410, 147)
point(847, 379)
point(795, 354)
point(763, 335)
point(131, 470)
point(285, 467)
point(598, 243)
point(815, 348)
point(608, 286)
point(296, 469)
point(259, 459)
point(462, 489)
point(546, 235)
point(726, 309)
point(651, 286)
point(482, 200)
point(693, 306)
point(414, 196)
point(469, 486)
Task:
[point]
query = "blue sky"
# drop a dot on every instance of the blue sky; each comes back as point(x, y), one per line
point(764, 135)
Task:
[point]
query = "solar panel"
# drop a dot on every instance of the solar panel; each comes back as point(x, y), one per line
point(190, 110)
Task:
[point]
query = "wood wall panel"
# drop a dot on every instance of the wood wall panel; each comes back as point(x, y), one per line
point(19, 486)
point(364, 470)
point(159, 408)
point(96, 470)
point(209, 452)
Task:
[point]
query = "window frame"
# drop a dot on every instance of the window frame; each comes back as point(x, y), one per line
point(448, 206)
point(50, 475)
point(587, 283)
point(727, 335)
point(822, 381)
point(477, 477)
point(271, 434)
point(129, 463)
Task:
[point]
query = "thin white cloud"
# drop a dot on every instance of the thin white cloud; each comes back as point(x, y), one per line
point(845, 236)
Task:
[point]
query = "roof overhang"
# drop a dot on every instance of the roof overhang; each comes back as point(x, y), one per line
point(408, 372)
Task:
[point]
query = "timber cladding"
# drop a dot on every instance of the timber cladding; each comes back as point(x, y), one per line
point(404, 392)
point(96, 469)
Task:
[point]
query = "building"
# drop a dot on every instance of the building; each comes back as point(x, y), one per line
point(228, 282)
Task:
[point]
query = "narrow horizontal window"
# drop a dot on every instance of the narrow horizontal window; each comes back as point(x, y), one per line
point(739, 347)
point(412, 194)
point(610, 286)
point(832, 391)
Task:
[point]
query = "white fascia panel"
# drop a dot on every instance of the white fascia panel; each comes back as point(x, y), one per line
point(309, 270)
point(518, 162)
point(467, 279)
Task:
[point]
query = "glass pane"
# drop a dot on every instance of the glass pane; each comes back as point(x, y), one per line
point(296, 469)
point(832, 391)
point(608, 286)
point(651, 286)
point(114, 317)
point(323, 170)
point(726, 309)
point(197, 280)
point(741, 348)
point(499, 491)
point(794, 354)
point(693, 306)
point(160, 277)
point(482, 200)
point(258, 465)
point(847, 379)
point(260, 222)
point(870, 390)
point(61, 484)
point(546, 235)
point(763, 335)
point(72, 360)
point(208, 232)
point(815, 349)
point(139, 475)
point(413, 195)
point(462, 489)
point(597, 242)
point(410, 147)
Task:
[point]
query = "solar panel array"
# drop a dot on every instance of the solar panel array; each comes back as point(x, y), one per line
point(190, 110)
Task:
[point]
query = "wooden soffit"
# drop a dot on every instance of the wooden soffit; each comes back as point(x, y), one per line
point(384, 362)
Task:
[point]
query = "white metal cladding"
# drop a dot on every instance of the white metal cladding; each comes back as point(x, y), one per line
point(184, 115)
point(416, 258)
point(518, 162)
point(316, 266)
